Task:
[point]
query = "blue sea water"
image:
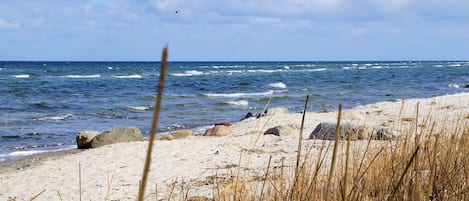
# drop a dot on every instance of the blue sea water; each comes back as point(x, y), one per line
point(44, 104)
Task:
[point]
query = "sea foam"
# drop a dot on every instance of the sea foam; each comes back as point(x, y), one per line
point(138, 108)
point(233, 95)
point(187, 73)
point(278, 85)
point(127, 76)
point(239, 102)
point(82, 76)
point(22, 76)
point(55, 118)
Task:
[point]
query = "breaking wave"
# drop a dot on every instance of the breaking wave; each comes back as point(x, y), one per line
point(234, 95)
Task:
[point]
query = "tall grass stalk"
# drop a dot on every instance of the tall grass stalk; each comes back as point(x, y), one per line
point(300, 140)
point(154, 125)
point(334, 153)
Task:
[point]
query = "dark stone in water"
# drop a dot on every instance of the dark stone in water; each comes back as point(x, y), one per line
point(466, 86)
point(249, 115)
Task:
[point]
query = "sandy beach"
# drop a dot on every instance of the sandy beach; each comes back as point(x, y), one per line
point(116, 169)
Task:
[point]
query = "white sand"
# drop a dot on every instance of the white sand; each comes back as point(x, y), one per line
point(196, 158)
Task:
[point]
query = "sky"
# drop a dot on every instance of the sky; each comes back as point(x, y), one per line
point(234, 30)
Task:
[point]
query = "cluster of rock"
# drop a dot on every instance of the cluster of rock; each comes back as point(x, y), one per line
point(94, 139)
point(323, 131)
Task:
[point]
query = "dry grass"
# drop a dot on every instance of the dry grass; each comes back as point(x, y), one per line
point(427, 164)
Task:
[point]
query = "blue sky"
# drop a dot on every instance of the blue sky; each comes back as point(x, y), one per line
point(234, 30)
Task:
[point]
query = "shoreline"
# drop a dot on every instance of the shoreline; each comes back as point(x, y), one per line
point(198, 158)
point(45, 153)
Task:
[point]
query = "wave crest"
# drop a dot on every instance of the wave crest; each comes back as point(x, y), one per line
point(234, 95)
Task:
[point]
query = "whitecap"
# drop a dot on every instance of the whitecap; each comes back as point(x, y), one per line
point(139, 108)
point(454, 86)
point(318, 69)
point(377, 67)
point(82, 76)
point(234, 66)
point(240, 102)
point(265, 71)
point(187, 73)
point(455, 65)
point(278, 85)
point(286, 67)
point(234, 71)
point(22, 76)
point(346, 68)
point(438, 65)
point(127, 76)
point(55, 118)
point(270, 92)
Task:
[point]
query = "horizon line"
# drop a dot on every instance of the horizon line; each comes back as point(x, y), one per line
point(234, 61)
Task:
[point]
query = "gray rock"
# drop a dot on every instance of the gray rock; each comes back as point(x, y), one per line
point(117, 135)
point(175, 135)
point(280, 131)
point(84, 139)
point(326, 131)
point(218, 131)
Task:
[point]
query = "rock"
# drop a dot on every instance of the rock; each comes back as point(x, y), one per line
point(175, 135)
point(274, 111)
point(466, 86)
point(223, 124)
point(280, 131)
point(218, 131)
point(117, 135)
point(248, 115)
point(84, 139)
point(326, 131)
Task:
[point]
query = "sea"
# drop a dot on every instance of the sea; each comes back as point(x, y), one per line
point(43, 105)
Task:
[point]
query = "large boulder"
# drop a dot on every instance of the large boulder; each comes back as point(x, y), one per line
point(117, 135)
point(326, 131)
point(84, 139)
point(175, 135)
point(280, 131)
point(218, 131)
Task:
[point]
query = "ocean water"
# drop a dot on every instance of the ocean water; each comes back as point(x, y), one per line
point(43, 105)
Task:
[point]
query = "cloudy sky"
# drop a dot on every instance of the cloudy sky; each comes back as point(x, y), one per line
point(234, 30)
